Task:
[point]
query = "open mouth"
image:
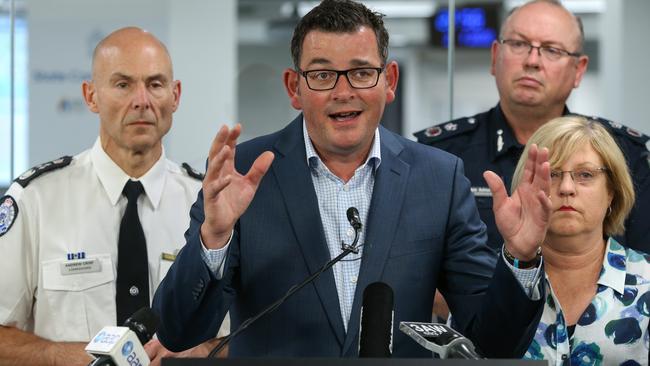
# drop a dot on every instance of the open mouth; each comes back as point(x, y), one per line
point(344, 116)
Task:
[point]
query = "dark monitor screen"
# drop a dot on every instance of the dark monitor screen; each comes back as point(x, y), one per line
point(477, 26)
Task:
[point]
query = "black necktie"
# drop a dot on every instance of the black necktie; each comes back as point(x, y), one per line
point(132, 263)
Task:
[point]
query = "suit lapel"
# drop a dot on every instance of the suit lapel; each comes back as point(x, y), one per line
point(388, 194)
point(294, 180)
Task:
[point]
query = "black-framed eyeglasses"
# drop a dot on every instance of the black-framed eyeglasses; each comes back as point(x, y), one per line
point(520, 47)
point(582, 176)
point(359, 78)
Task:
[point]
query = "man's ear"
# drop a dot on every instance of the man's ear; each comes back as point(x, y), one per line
point(291, 80)
point(493, 52)
point(392, 78)
point(581, 68)
point(90, 95)
point(176, 90)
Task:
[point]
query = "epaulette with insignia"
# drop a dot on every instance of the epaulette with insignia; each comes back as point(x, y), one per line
point(620, 129)
point(38, 170)
point(192, 172)
point(446, 130)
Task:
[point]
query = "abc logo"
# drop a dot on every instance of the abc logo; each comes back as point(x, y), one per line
point(127, 348)
point(99, 337)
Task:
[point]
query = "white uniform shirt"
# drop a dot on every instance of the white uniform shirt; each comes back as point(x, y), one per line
point(75, 211)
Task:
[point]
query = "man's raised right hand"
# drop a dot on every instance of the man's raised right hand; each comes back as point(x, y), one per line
point(226, 193)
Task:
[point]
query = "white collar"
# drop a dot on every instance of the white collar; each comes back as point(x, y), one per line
point(113, 178)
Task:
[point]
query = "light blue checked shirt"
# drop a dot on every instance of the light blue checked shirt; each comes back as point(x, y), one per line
point(334, 198)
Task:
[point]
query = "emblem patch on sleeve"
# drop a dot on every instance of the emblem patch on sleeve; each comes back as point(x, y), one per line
point(8, 213)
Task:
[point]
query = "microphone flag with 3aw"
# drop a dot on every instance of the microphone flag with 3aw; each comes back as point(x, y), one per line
point(376, 329)
point(441, 339)
point(123, 346)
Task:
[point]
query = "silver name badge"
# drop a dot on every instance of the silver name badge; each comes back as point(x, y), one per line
point(80, 266)
point(481, 191)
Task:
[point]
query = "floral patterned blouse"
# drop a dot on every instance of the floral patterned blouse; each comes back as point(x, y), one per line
point(613, 330)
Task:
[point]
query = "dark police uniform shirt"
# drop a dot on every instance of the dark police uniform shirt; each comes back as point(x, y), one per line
point(486, 142)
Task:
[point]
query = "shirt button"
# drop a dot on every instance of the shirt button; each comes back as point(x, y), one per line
point(353, 279)
point(564, 357)
point(350, 232)
point(346, 187)
point(134, 291)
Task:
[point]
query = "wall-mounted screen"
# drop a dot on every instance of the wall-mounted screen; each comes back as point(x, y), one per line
point(477, 25)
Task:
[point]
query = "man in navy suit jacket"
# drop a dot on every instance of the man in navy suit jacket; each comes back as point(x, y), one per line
point(254, 236)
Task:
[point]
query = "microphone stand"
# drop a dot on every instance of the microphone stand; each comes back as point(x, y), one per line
point(347, 249)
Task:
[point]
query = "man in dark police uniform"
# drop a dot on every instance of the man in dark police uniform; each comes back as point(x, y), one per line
point(536, 62)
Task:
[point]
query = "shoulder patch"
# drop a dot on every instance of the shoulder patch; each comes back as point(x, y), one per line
point(8, 213)
point(446, 130)
point(192, 172)
point(38, 170)
point(621, 130)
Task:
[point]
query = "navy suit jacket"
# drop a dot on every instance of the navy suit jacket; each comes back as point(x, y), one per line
point(423, 232)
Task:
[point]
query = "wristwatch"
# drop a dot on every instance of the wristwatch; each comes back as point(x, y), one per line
point(522, 264)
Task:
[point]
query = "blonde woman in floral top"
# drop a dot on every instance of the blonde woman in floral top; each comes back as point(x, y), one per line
point(598, 292)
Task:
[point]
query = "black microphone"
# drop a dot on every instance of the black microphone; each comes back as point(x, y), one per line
point(376, 330)
point(355, 222)
point(117, 346)
point(441, 339)
point(354, 218)
point(143, 323)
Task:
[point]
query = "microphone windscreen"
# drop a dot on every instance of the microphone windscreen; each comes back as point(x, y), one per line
point(143, 323)
point(353, 217)
point(376, 335)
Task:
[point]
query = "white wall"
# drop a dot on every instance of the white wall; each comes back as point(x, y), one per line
point(263, 105)
point(636, 77)
point(625, 53)
point(203, 44)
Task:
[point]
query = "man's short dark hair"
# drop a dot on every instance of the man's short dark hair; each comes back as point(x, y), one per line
point(339, 16)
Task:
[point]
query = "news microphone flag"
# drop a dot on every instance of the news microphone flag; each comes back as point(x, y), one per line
point(120, 345)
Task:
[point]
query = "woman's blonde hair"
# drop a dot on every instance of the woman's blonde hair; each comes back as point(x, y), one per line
point(563, 136)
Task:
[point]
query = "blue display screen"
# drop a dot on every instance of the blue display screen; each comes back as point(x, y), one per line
point(476, 26)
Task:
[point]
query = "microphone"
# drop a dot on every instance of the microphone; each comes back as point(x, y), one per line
point(376, 330)
point(123, 346)
point(354, 218)
point(355, 222)
point(441, 339)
